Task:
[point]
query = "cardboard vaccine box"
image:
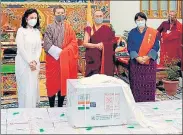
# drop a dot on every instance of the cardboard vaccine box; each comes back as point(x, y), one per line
point(96, 105)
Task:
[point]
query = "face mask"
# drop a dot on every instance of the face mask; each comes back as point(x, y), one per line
point(32, 22)
point(60, 18)
point(141, 23)
point(98, 20)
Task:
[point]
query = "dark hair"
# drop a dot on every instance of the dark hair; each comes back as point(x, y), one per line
point(58, 7)
point(140, 14)
point(25, 16)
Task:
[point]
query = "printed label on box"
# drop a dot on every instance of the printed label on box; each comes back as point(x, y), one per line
point(83, 101)
point(112, 102)
point(106, 117)
point(92, 104)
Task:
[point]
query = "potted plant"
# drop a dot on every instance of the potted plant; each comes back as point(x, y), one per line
point(80, 37)
point(171, 82)
point(125, 35)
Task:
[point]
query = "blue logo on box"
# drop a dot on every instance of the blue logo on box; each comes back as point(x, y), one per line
point(92, 104)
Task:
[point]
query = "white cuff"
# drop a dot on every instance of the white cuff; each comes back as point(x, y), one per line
point(55, 51)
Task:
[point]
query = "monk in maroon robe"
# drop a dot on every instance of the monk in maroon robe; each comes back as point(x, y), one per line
point(99, 40)
point(171, 39)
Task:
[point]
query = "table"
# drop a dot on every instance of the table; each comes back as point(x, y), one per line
point(54, 121)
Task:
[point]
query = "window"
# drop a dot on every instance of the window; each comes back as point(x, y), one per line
point(158, 9)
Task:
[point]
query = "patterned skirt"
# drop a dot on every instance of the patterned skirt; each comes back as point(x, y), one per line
point(143, 81)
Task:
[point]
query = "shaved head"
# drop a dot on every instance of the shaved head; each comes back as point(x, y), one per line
point(98, 17)
point(98, 13)
point(173, 13)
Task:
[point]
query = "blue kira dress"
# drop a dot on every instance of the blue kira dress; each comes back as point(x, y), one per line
point(142, 77)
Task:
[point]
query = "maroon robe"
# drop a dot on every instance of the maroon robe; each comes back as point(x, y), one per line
point(170, 43)
point(93, 56)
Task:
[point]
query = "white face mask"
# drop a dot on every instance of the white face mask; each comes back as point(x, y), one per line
point(99, 20)
point(32, 22)
point(141, 23)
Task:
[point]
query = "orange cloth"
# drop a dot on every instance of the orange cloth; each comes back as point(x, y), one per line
point(148, 42)
point(58, 71)
point(68, 58)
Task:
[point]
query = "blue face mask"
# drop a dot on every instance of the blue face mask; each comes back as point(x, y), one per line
point(141, 23)
point(98, 20)
point(60, 18)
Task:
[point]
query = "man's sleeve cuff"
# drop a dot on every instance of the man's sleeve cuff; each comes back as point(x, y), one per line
point(153, 54)
point(55, 51)
point(133, 54)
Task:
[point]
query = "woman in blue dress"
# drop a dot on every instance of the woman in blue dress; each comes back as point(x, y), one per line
point(143, 45)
